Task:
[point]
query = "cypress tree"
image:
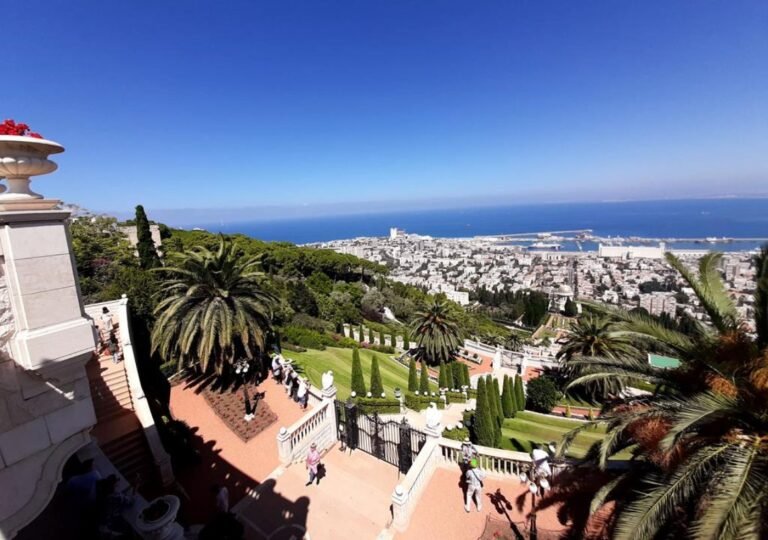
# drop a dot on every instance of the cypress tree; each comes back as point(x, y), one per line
point(465, 374)
point(360, 336)
point(339, 328)
point(511, 395)
point(145, 246)
point(358, 382)
point(443, 377)
point(381, 338)
point(370, 336)
point(393, 340)
point(376, 387)
point(497, 395)
point(406, 344)
point(424, 380)
point(493, 405)
point(506, 402)
point(413, 378)
point(519, 393)
point(484, 428)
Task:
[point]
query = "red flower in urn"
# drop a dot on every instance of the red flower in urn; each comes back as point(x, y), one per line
point(10, 127)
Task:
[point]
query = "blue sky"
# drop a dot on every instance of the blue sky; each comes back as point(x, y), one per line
point(201, 104)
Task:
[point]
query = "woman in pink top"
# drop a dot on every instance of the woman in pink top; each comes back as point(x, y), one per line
point(313, 461)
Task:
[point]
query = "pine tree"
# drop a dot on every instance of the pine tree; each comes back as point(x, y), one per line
point(145, 246)
point(413, 378)
point(424, 380)
point(519, 393)
point(358, 382)
point(506, 398)
point(484, 428)
point(376, 387)
point(443, 377)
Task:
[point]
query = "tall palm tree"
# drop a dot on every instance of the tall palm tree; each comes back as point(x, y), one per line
point(595, 336)
point(701, 442)
point(213, 310)
point(436, 332)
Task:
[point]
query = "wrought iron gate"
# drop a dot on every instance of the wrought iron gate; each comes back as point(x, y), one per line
point(397, 443)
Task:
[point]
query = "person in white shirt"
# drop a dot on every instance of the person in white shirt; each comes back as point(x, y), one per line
point(302, 393)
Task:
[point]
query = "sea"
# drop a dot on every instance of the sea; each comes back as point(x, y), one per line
point(733, 218)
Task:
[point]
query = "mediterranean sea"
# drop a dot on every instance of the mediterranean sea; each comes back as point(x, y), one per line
point(700, 218)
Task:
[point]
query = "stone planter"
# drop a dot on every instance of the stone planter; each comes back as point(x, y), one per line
point(162, 526)
point(21, 158)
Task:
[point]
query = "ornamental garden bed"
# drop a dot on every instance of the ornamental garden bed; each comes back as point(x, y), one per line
point(230, 407)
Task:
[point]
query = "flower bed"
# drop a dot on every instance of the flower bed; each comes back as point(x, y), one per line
point(10, 127)
point(229, 406)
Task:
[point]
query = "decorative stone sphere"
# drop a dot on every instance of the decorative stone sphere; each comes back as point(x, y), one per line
point(416, 392)
point(353, 394)
point(368, 395)
point(383, 394)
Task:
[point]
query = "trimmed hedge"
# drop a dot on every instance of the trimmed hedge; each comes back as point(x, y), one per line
point(456, 434)
point(455, 397)
point(419, 403)
point(378, 405)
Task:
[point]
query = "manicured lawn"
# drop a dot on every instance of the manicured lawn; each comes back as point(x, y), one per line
point(527, 428)
point(314, 363)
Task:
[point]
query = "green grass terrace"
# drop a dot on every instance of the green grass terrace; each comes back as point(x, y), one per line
point(314, 363)
point(529, 428)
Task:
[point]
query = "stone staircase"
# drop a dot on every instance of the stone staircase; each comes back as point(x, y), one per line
point(118, 431)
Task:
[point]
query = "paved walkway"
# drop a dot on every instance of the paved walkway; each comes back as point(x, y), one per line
point(452, 414)
point(224, 458)
point(441, 514)
point(351, 502)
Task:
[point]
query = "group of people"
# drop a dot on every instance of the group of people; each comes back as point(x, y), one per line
point(98, 501)
point(107, 335)
point(296, 387)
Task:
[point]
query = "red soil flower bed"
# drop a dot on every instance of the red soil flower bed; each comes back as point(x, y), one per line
point(229, 406)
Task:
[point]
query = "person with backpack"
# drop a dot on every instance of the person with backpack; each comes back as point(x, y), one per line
point(474, 478)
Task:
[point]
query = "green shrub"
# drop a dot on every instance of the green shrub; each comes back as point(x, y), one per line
point(378, 405)
point(305, 337)
point(413, 380)
point(292, 347)
point(421, 402)
point(424, 379)
point(455, 397)
point(456, 434)
point(542, 394)
point(568, 411)
point(386, 349)
point(358, 382)
point(376, 387)
point(344, 342)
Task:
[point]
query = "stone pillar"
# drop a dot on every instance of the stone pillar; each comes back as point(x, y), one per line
point(46, 411)
point(400, 509)
point(284, 446)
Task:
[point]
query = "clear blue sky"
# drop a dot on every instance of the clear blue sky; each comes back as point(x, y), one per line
point(199, 104)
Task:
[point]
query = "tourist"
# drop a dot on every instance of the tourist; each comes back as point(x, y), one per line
point(288, 379)
point(111, 505)
point(221, 498)
point(276, 367)
point(474, 478)
point(302, 393)
point(313, 463)
point(82, 486)
point(114, 348)
point(294, 387)
point(106, 322)
point(468, 452)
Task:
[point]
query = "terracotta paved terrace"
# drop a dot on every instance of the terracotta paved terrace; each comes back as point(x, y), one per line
point(352, 500)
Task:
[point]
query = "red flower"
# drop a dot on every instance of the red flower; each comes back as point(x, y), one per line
point(10, 127)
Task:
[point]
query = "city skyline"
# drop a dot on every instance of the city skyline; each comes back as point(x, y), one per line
point(302, 106)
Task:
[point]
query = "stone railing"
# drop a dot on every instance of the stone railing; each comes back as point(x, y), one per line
point(317, 426)
point(446, 453)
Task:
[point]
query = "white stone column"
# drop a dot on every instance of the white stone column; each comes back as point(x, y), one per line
point(284, 446)
point(400, 516)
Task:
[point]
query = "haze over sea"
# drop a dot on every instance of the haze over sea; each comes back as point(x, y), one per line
point(737, 218)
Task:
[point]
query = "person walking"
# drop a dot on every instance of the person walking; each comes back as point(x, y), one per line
point(114, 348)
point(302, 393)
point(474, 478)
point(313, 463)
point(468, 452)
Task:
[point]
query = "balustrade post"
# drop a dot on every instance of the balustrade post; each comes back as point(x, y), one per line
point(400, 515)
point(284, 446)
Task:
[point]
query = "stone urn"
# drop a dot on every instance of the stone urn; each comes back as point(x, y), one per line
point(157, 521)
point(21, 158)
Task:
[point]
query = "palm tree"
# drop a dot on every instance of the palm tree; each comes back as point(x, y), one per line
point(701, 442)
point(437, 332)
point(213, 310)
point(595, 336)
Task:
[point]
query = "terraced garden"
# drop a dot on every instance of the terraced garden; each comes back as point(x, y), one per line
point(314, 363)
point(528, 428)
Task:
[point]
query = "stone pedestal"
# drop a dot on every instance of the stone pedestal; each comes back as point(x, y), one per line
point(164, 528)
